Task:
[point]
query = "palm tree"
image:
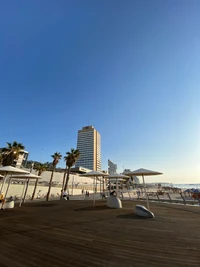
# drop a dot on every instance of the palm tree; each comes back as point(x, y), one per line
point(56, 157)
point(70, 159)
point(11, 153)
point(40, 168)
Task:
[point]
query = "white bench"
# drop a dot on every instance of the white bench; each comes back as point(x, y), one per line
point(143, 212)
point(9, 205)
point(114, 202)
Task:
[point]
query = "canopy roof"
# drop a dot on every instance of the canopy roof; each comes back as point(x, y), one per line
point(143, 172)
point(11, 169)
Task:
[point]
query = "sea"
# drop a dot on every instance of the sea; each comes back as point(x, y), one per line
point(188, 186)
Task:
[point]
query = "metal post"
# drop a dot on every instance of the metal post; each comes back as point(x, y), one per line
point(72, 185)
point(94, 192)
point(34, 190)
point(183, 198)
point(6, 193)
point(145, 191)
point(158, 196)
point(27, 184)
point(20, 203)
point(169, 197)
point(4, 180)
point(117, 187)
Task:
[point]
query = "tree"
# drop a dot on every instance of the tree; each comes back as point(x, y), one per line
point(40, 168)
point(56, 157)
point(70, 160)
point(11, 153)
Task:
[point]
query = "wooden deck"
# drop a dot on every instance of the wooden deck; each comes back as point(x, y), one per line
point(72, 233)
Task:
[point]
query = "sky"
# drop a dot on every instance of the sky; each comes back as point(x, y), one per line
point(129, 68)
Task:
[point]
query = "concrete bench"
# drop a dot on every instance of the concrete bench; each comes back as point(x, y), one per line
point(143, 212)
point(114, 202)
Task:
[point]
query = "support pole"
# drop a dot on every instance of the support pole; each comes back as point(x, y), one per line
point(27, 184)
point(34, 190)
point(94, 193)
point(73, 186)
point(117, 187)
point(20, 203)
point(4, 180)
point(145, 191)
point(6, 193)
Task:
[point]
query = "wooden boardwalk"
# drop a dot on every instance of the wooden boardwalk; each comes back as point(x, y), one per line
point(72, 233)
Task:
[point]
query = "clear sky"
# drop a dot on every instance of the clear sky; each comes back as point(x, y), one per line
point(129, 68)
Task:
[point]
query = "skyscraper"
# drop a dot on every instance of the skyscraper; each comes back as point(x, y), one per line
point(89, 146)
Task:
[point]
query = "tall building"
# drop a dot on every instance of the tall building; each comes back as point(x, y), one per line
point(112, 168)
point(89, 146)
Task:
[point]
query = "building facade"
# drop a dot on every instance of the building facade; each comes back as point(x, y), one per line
point(112, 168)
point(89, 146)
point(22, 159)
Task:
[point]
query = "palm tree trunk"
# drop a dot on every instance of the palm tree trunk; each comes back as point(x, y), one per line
point(67, 180)
point(50, 183)
point(63, 183)
point(34, 190)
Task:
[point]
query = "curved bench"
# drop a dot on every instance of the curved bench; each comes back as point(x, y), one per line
point(9, 205)
point(143, 212)
point(114, 202)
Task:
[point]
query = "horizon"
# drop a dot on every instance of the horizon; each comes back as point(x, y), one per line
point(130, 69)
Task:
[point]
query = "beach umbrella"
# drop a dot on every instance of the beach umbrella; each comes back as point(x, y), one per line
point(25, 177)
point(144, 172)
point(9, 170)
point(117, 178)
point(94, 175)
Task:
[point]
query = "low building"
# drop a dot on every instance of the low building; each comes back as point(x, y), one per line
point(22, 159)
point(112, 167)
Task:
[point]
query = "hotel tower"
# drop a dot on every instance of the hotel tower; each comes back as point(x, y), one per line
point(89, 146)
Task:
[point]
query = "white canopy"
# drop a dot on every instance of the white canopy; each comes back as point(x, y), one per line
point(144, 172)
point(117, 176)
point(94, 175)
point(11, 169)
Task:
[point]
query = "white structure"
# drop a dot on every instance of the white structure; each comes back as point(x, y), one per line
point(89, 146)
point(22, 159)
point(133, 179)
point(112, 168)
point(114, 202)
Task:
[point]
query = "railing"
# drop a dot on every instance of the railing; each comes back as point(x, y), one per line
point(182, 198)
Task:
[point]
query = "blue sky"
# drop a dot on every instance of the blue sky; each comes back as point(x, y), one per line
point(129, 68)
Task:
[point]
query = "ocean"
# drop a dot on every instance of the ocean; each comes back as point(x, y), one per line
point(187, 186)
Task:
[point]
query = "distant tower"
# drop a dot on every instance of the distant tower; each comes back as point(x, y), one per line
point(112, 168)
point(89, 146)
